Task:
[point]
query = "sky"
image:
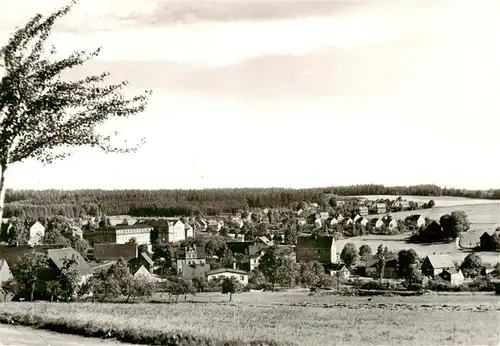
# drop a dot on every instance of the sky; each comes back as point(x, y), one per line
point(285, 94)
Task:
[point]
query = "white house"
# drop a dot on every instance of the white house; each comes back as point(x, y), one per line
point(239, 275)
point(189, 230)
point(376, 223)
point(36, 233)
point(390, 222)
point(362, 221)
point(356, 217)
point(318, 222)
point(416, 220)
point(454, 276)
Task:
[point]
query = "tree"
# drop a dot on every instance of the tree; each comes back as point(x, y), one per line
point(270, 264)
point(454, 224)
point(18, 232)
point(365, 252)
point(349, 254)
point(81, 245)
point(140, 286)
point(310, 273)
point(28, 272)
point(68, 278)
point(406, 262)
point(11, 287)
point(472, 265)
point(257, 280)
point(40, 112)
point(231, 286)
point(54, 289)
point(383, 255)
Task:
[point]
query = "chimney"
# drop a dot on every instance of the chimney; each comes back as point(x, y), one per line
point(234, 265)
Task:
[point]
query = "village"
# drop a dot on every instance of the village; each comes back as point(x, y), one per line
point(248, 247)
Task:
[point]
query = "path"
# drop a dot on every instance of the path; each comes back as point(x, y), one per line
point(11, 335)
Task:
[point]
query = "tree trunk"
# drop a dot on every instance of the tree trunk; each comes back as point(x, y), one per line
point(3, 188)
point(230, 296)
point(32, 293)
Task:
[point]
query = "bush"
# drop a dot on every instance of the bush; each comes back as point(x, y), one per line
point(497, 287)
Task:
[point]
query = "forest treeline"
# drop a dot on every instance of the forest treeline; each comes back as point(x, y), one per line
point(74, 203)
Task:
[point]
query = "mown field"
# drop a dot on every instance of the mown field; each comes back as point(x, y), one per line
point(287, 318)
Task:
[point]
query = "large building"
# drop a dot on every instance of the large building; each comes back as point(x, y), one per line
point(120, 234)
point(190, 256)
point(316, 248)
point(171, 230)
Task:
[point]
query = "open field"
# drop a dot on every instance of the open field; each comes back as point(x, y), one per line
point(398, 242)
point(441, 201)
point(481, 216)
point(292, 318)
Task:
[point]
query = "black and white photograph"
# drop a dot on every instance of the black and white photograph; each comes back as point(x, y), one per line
point(249, 172)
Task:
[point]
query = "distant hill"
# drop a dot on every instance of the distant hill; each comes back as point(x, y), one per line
point(72, 203)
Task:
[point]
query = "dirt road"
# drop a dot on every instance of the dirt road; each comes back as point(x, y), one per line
point(23, 336)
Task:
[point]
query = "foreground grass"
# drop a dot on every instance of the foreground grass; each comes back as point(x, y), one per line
point(200, 323)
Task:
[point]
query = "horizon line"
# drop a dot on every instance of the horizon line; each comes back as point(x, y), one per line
point(254, 188)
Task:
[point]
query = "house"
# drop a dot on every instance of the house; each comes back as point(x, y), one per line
point(316, 248)
point(432, 265)
point(400, 205)
point(389, 222)
point(254, 257)
point(5, 275)
point(189, 231)
point(141, 272)
point(372, 265)
point(263, 241)
point(12, 254)
point(191, 271)
point(332, 221)
point(318, 222)
point(339, 217)
point(36, 233)
point(200, 225)
point(489, 241)
point(363, 210)
point(215, 225)
point(416, 220)
point(301, 221)
point(347, 221)
point(120, 234)
point(324, 215)
point(299, 212)
point(343, 273)
point(453, 275)
point(190, 255)
point(143, 260)
point(73, 232)
point(99, 267)
point(356, 217)
point(57, 258)
point(113, 252)
point(362, 221)
point(222, 273)
point(380, 208)
point(169, 230)
point(376, 223)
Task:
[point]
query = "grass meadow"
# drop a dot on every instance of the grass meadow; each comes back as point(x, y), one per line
point(282, 318)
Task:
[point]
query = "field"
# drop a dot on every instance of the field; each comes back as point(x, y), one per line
point(398, 242)
point(482, 216)
point(441, 201)
point(289, 318)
